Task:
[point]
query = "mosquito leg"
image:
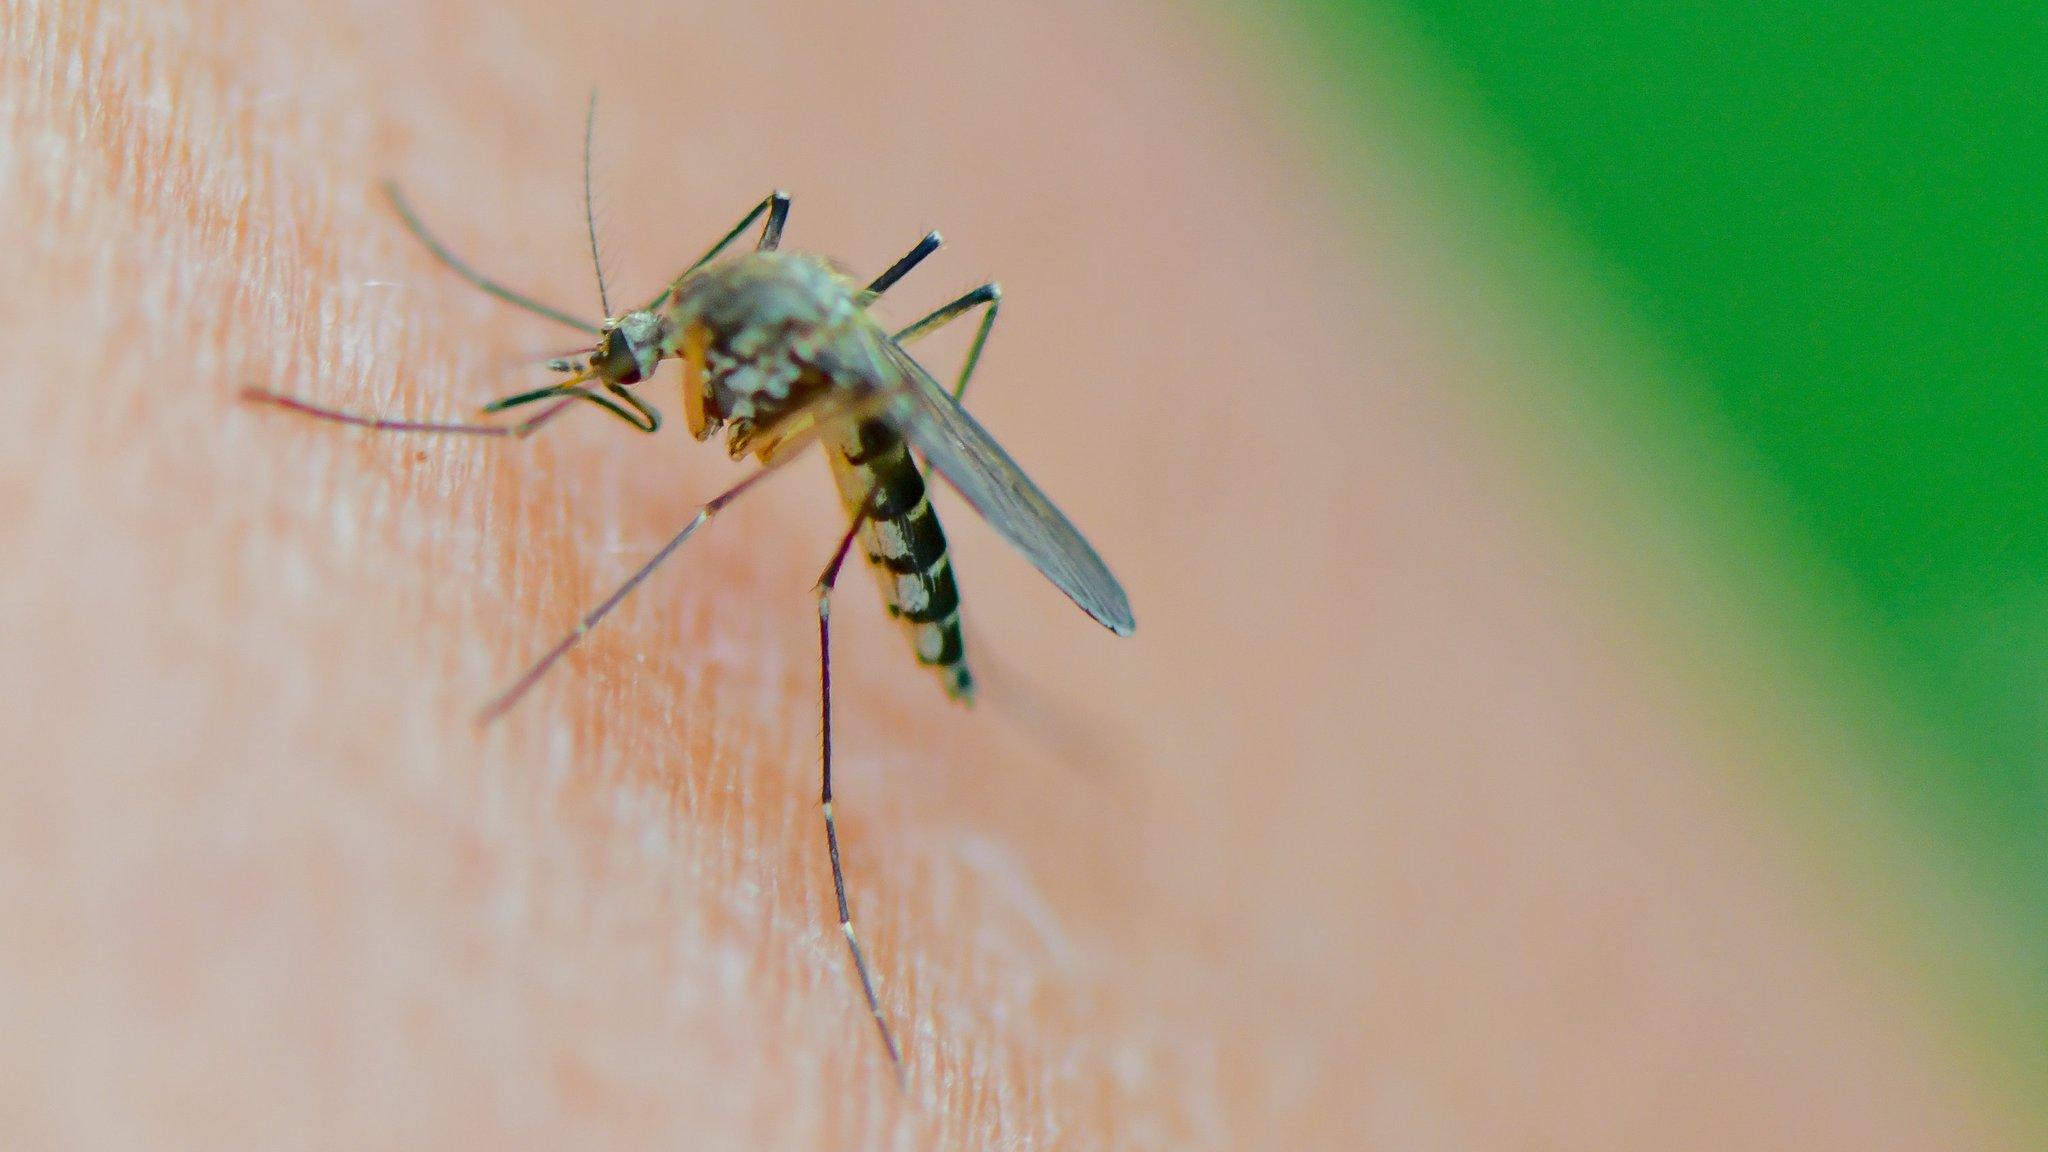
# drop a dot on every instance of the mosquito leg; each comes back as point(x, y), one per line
point(901, 268)
point(778, 215)
point(860, 963)
point(504, 700)
point(377, 423)
point(647, 413)
point(777, 208)
point(463, 270)
point(990, 294)
point(647, 420)
point(521, 399)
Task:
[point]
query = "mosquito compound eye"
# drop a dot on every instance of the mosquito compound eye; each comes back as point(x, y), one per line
point(614, 361)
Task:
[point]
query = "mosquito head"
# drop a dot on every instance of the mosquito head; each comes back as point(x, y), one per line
point(628, 348)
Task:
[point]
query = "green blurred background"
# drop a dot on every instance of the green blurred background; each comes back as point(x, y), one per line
point(1826, 219)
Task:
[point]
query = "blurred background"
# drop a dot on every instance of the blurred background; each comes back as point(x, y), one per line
point(1813, 235)
point(1576, 471)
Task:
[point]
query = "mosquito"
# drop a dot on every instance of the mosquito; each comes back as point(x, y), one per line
point(779, 350)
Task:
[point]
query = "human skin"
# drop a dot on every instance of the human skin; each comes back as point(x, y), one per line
point(1383, 831)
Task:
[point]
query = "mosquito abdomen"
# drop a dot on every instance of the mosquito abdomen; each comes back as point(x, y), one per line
point(905, 546)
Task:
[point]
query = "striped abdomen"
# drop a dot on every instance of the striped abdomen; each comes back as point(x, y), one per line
point(906, 546)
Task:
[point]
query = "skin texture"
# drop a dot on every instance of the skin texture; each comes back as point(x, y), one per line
point(1384, 830)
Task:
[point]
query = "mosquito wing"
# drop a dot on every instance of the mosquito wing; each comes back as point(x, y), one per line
point(958, 448)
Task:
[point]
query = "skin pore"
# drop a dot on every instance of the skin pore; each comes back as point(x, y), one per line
point(1382, 830)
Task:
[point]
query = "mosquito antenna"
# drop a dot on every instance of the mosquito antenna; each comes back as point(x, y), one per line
point(589, 214)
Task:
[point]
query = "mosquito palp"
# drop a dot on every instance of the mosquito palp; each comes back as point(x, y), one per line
point(779, 351)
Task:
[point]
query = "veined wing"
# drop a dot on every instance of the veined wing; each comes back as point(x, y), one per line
point(958, 448)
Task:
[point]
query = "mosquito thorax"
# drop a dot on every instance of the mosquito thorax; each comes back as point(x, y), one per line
point(763, 335)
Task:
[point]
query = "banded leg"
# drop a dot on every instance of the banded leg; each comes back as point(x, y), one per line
point(503, 702)
point(826, 581)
